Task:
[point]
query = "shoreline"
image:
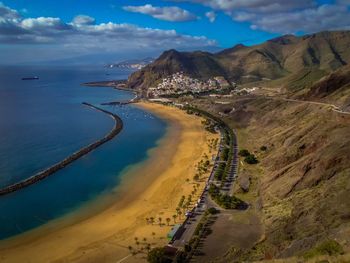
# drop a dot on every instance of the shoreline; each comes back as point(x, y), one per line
point(118, 126)
point(114, 84)
point(105, 236)
point(109, 84)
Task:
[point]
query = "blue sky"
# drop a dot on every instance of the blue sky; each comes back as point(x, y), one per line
point(118, 29)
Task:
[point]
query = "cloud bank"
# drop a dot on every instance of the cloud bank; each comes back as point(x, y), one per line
point(172, 13)
point(83, 35)
point(276, 16)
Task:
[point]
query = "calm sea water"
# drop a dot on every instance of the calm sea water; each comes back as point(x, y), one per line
point(43, 121)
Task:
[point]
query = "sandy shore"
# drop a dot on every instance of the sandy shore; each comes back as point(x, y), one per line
point(151, 190)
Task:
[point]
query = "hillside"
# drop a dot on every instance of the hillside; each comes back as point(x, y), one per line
point(276, 58)
point(297, 193)
point(196, 64)
point(334, 88)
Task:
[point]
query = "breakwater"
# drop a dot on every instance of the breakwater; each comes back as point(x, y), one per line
point(121, 103)
point(118, 126)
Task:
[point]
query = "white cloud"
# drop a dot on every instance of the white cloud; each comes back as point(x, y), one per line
point(278, 16)
point(83, 20)
point(83, 36)
point(7, 13)
point(211, 15)
point(172, 13)
point(325, 17)
point(253, 5)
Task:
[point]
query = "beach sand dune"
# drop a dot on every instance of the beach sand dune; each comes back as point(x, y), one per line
point(152, 189)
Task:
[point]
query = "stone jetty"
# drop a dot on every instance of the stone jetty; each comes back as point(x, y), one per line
point(118, 126)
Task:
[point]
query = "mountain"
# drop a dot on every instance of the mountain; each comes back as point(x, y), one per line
point(285, 56)
point(196, 64)
point(132, 64)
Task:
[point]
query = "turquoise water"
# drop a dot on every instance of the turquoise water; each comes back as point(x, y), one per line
point(42, 122)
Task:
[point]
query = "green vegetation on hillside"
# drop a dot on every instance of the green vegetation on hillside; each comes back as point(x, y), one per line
point(328, 247)
point(249, 157)
point(224, 200)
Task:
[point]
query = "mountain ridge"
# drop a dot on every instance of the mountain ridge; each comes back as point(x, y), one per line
point(274, 59)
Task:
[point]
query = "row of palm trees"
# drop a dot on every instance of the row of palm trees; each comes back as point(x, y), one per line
point(213, 144)
point(152, 220)
point(183, 205)
point(142, 246)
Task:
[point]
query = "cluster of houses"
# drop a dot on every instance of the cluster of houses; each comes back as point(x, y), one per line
point(180, 84)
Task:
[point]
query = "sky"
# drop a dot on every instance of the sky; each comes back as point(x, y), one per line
point(105, 31)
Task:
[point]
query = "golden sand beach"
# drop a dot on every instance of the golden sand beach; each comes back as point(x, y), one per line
point(152, 189)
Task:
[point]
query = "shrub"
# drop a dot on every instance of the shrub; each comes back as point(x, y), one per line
point(220, 171)
point(328, 247)
point(244, 152)
point(212, 210)
point(224, 154)
point(263, 148)
point(224, 200)
point(251, 159)
point(157, 255)
point(198, 229)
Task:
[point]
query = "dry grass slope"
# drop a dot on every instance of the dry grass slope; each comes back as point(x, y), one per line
point(302, 182)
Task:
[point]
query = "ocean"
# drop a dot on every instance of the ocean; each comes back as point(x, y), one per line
point(43, 121)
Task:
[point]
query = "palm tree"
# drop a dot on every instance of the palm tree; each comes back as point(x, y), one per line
point(153, 234)
point(151, 219)
point(147, 220)
point(174, 217)
point(130, 248)
point(189, 198)
point(160, 221)
point(180, 213)
point(168, 220)
point(144, 239)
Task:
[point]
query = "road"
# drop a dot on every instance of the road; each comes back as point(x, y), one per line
point(332, 106)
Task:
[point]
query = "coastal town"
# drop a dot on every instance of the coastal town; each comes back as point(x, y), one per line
point(180, 84)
